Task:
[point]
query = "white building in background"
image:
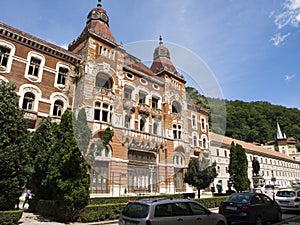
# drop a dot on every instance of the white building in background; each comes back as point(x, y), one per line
point(275, 167)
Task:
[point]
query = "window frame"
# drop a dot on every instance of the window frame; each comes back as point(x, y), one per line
point(12, 48)
point(38, 77)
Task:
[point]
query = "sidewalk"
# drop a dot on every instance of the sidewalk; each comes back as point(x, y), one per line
point(33, 219)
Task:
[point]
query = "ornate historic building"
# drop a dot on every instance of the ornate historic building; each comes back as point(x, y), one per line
point(156, 130)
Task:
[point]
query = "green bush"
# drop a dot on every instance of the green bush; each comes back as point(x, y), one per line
point(45, 207)
point(211, 202)
point(93, 213)
point(10, 217)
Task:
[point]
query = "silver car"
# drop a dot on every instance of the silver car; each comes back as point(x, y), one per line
point(288, 199)
point(169, 212)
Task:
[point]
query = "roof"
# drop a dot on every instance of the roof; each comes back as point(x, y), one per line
point(249, 147)
point(42, 45)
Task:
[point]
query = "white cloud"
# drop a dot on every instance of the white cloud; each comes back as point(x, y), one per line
point(292, 4)
point(289, 77)
point(290, 14)
point(278, 39)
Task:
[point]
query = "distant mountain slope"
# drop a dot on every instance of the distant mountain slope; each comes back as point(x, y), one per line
point(251, 121)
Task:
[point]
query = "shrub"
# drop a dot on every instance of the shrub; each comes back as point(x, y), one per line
point(10, 217)
point(93, 213)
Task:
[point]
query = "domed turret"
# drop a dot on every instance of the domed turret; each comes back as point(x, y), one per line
point(162, 59)
point(161, 50)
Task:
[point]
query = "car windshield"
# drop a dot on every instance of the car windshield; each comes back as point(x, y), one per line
point(240, 198)
point(136, 210)
point(285, 194)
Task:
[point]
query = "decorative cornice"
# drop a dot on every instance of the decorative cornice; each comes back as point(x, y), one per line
point(38, 44)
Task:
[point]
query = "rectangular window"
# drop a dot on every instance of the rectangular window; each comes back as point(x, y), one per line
point(154, 103)
point(127, 93)
point(34, 66)
point(4, 55)
point(193, 121)
point(97, 114)
point(142, 98)
point(62, 74)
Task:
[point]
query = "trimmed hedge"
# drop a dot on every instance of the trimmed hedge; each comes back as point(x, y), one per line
point(93, 213)
point(123, 199)
point(10, 217)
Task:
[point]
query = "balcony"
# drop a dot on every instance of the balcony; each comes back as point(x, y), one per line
point(156, 113)
point(129, 104)
point(142, 140)
point(31, 118)
point(144, 109)
point(30, 115)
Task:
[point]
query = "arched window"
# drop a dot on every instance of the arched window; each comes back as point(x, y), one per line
point(58, 108)
point(176, 107)
point(178, 160)
point(195, 140)
point(28, 101)
point(104, 80)
point(204, 144)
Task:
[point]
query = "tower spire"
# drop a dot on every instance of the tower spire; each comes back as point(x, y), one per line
point(99, 3)
point(160, 40)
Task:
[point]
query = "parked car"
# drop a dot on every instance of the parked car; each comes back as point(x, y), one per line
point(169, 212)
point(251, 208)
point(288, 199)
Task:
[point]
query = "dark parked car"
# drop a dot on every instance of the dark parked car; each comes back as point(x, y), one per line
point(251, 208)
point(168, 212)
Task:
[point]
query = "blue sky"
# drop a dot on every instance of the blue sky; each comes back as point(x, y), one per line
point(251, 47)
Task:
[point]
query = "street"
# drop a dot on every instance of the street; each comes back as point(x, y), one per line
point(32, 219)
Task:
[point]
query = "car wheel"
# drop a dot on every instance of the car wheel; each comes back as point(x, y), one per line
point(279, 216)
point(221, 223)
point(258, 221)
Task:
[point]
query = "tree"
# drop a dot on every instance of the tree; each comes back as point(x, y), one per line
point(83, 135)
point(41, 142)
point(200, 174)
point(238, 167)
point(14, 158)
point(68, 172)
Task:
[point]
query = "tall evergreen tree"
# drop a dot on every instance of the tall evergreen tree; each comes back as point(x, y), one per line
point(14, 158)
point(238, 167)
point(82, 132)
point(41, 141)
point(200, 174)
point(68, 172)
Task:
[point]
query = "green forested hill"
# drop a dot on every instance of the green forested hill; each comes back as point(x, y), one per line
point(250, 121)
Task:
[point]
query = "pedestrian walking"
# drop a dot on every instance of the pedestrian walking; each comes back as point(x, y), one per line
point(27, 196)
